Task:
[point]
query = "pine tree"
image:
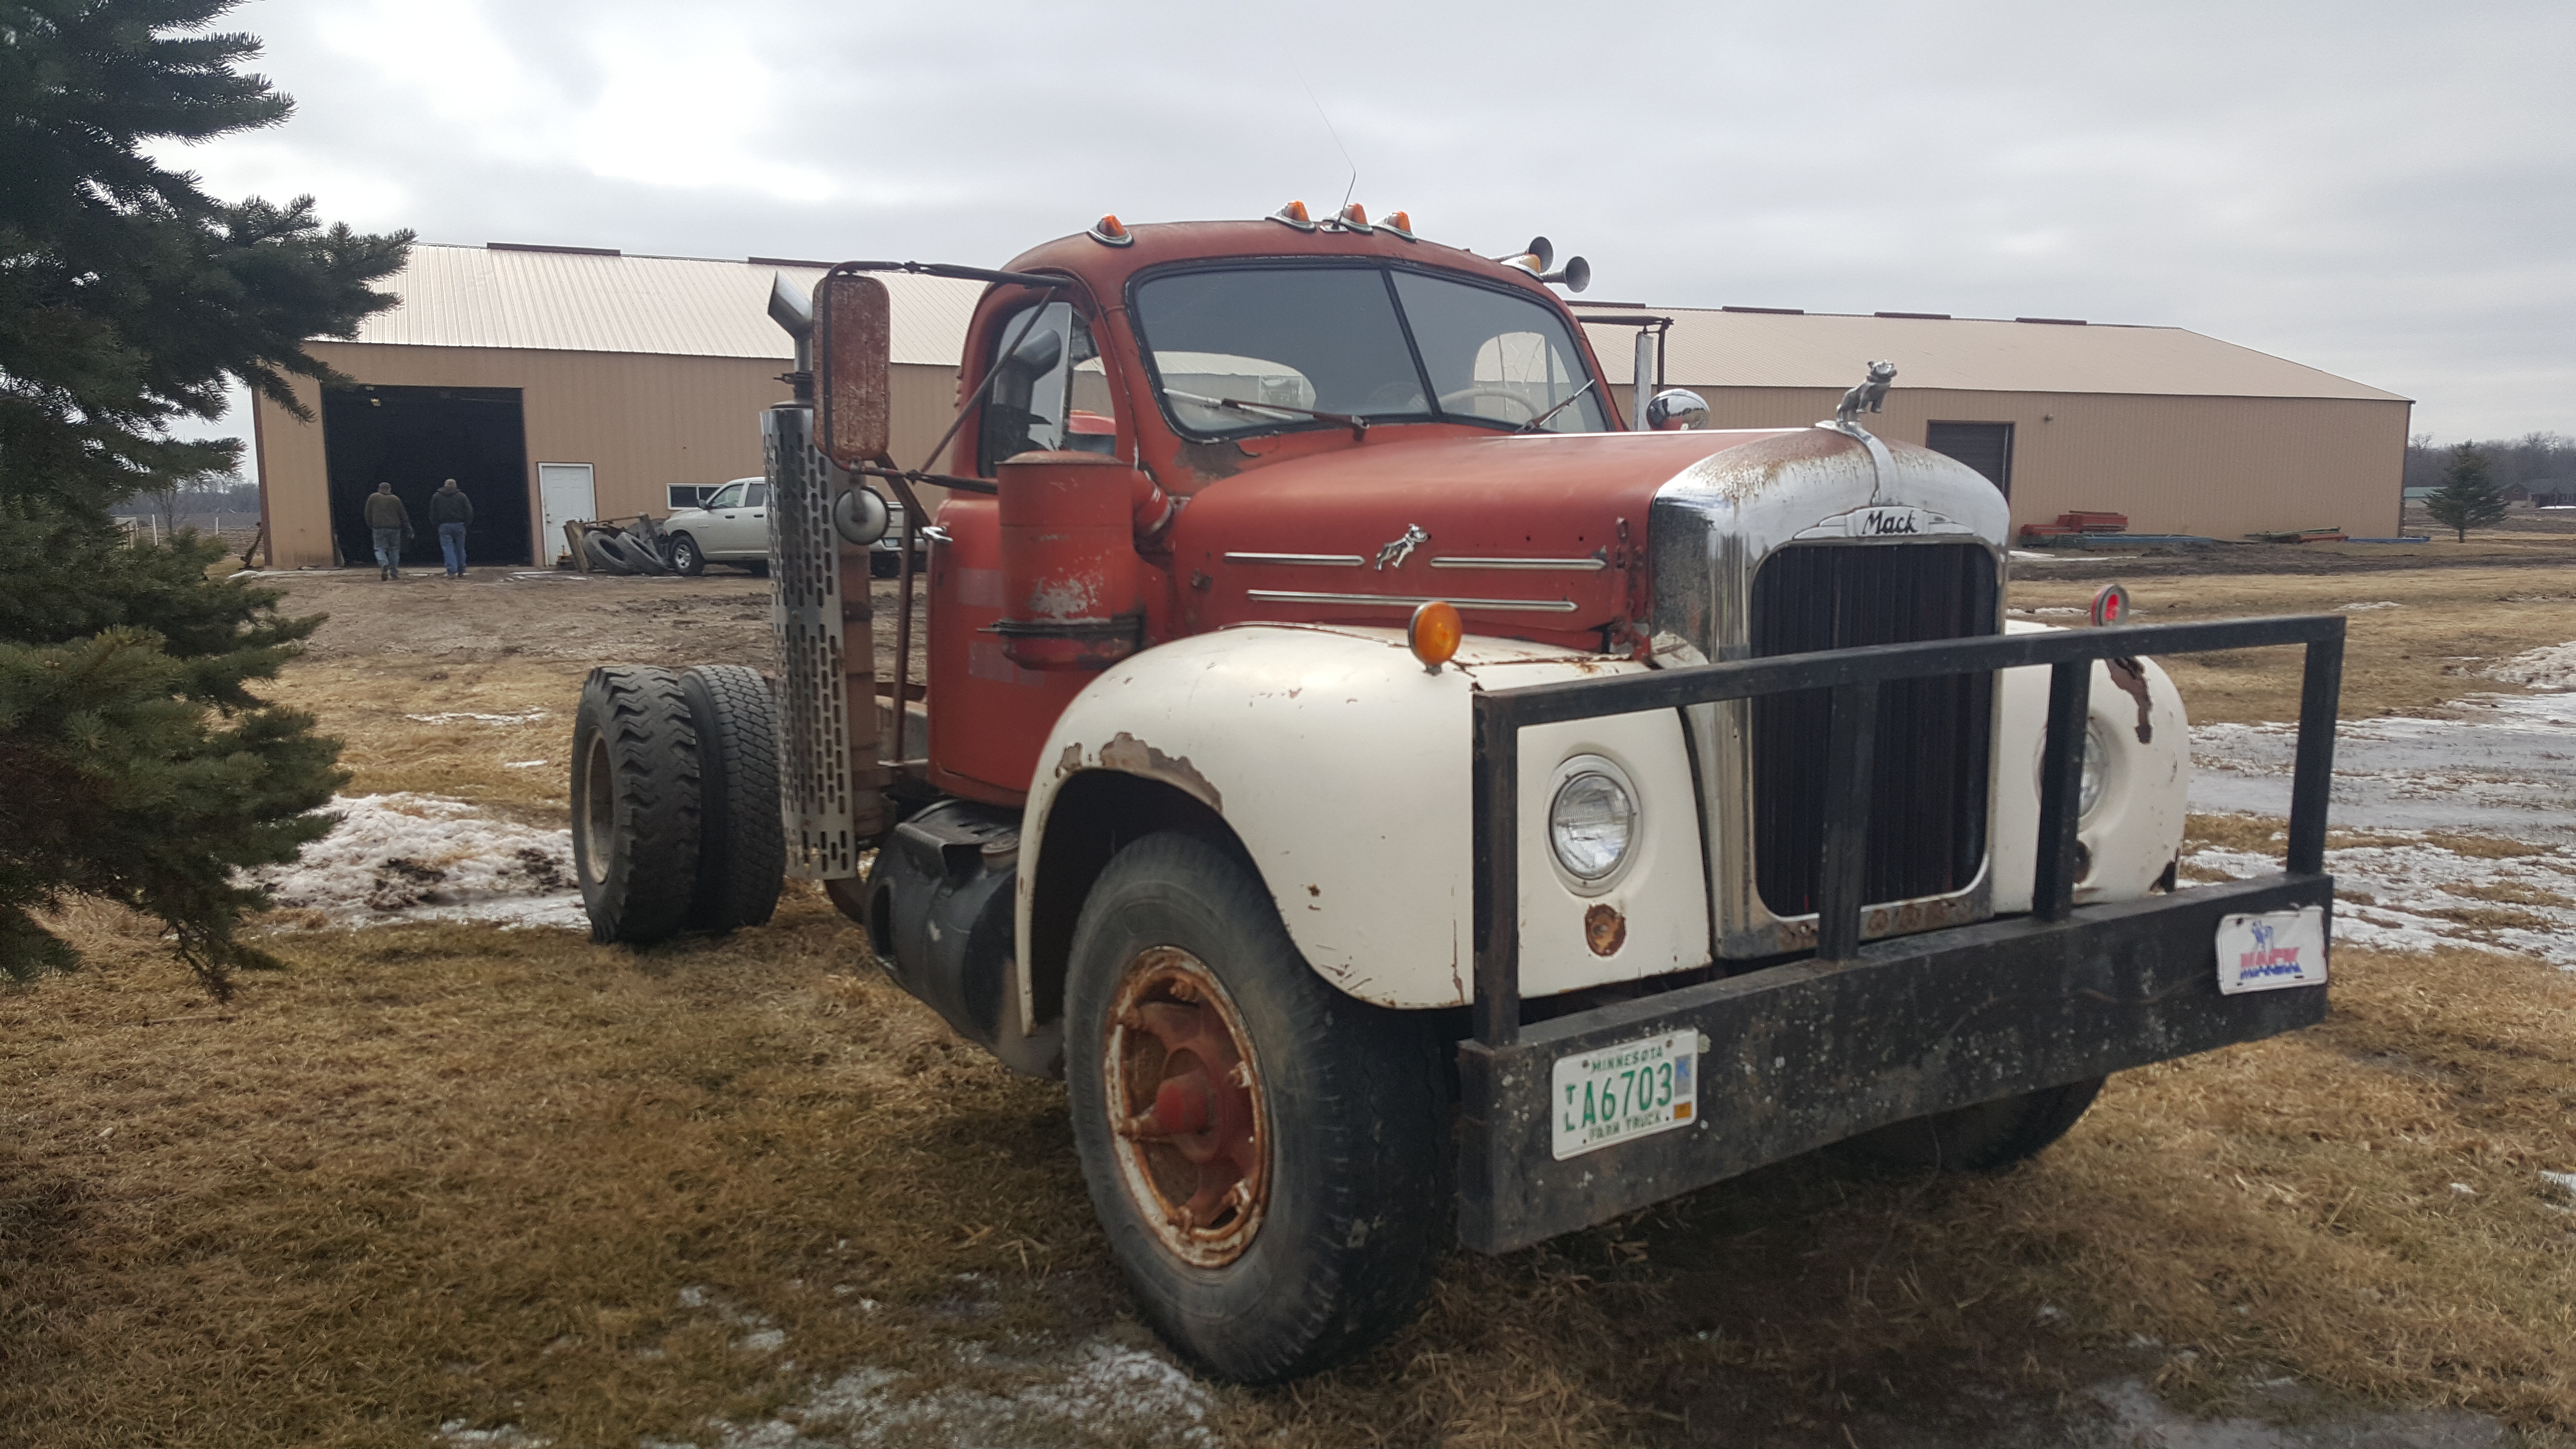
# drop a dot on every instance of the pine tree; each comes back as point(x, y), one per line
point(2468, 497)
point(139, 764)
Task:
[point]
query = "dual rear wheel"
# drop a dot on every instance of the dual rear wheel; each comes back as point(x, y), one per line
point(675, 801)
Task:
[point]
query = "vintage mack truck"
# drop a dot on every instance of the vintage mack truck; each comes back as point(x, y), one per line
point(1410, 803)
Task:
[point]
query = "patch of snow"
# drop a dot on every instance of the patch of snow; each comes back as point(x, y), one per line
point(2412, 884)
point(406, 857)
point(764, 1340)
point(2564, 1181)
point(509, 1436)
point(527, 716)
point(521, 764)
point(1096, 1393)
point(693, 1298)
point(2504, 765)
point(2366, 608)
point(2550, 667)
point(2463, 1189)
point(2050, 611)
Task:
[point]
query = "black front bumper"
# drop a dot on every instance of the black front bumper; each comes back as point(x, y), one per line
point(1808, 1054)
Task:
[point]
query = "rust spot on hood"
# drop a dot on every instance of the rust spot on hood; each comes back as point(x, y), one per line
point(2131, 677)
point(1069, 761)
point(1127, 753)
point(1212, 461)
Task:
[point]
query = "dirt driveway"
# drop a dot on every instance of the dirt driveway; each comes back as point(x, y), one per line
point(470, 1180)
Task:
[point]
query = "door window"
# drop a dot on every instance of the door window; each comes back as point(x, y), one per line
point(1027, 405)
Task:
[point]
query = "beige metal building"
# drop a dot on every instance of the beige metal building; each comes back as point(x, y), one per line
point(555, 383)
point(2182, 432)
point(559, 383)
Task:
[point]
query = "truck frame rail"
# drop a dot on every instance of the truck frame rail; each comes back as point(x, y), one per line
point(1794, 1057)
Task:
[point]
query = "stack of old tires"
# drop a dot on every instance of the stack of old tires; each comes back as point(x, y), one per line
point(605, 548)
point(675, 823)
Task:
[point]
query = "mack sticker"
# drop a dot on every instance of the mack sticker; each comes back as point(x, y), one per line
point(1885, 520)
point(2272, 950)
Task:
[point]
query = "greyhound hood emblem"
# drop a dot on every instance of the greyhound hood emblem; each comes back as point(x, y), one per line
point(1396, 552)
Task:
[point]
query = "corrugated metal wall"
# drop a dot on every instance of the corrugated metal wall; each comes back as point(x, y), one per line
point(642, 423)
point(2221, 467)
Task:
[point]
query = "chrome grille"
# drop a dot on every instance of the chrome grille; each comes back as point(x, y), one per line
point(805, 611)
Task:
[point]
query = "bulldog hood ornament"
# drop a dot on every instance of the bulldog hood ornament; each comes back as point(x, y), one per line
point(1865, 398)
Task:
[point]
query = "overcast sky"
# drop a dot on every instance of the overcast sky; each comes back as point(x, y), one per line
point(2380, 190)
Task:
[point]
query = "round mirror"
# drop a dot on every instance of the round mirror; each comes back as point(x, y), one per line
point(860, 516)
point(1676, 409)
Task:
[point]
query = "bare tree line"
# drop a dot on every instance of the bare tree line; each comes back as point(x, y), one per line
point(2532, 460)
point(209, 503)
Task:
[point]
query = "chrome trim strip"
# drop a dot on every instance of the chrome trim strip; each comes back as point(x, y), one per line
point(1565, 565)
point(1319, 560)
point(1526, 606)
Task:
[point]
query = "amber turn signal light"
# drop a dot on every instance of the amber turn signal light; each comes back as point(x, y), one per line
point(1294, 214)
point(1110, 231)
point(1435, 634)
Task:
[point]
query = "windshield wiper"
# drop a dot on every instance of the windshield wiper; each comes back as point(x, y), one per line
point(1533, 424)
point(1359, 426)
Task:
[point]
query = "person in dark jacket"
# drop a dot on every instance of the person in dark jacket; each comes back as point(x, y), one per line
point(449, 511)
point(391, 524)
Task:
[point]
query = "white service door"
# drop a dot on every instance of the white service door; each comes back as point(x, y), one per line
point(564, 494)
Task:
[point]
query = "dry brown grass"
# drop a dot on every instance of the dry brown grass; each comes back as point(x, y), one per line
point(440, 1173)
point(2406, 660)
point(435, 1173)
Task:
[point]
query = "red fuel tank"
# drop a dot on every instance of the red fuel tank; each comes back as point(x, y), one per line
point(1071, 587)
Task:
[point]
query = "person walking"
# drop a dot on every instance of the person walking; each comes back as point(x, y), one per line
point(450, 510)
point(391, 523)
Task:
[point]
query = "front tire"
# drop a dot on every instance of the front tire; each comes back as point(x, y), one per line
point(1266, 1155)
point(1987, 1137)
point(635, 834)
point(686, 557)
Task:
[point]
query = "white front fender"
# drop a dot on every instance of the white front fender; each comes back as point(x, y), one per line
point(1344, 768)
point(2135, 719)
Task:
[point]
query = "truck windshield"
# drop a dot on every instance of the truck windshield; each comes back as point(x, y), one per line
point(1382, 343)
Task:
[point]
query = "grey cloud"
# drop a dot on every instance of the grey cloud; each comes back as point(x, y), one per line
point(2380, 190)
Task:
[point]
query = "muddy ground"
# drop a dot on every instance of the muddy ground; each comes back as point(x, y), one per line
point(450, 1182)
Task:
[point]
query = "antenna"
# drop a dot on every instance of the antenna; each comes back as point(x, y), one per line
point(1331, 131)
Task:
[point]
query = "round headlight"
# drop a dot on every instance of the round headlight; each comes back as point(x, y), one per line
point(1591, 824)
point(2088, 785)
point(2088, 790)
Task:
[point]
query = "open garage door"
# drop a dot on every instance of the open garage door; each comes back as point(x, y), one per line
point(415, 437)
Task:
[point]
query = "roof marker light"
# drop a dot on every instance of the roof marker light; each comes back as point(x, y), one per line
point(1294, 214)
point(1434, 634)
point(1400, 224)
point(1353, 217)
point(1110, 231)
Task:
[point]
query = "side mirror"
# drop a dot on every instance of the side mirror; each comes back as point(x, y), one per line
point(1675, 410)
point(853, 384)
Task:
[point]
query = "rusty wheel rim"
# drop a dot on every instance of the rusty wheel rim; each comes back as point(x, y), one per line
point(1185, 1109)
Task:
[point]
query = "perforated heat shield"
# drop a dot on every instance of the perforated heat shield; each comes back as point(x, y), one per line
point(805, 615)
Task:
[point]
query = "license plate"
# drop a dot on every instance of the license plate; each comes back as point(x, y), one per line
point(2274, 949)
point(1631, 1090)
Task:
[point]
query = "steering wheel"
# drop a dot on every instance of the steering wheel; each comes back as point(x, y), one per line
point(1451, 401)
